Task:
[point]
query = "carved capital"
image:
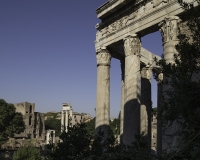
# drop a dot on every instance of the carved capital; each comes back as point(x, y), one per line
point(132, 45)
point(146, 73)
point(160, 77)
point(169, 28)
point(103, 57)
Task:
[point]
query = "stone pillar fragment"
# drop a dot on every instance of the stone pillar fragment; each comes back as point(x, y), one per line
point(145, 110)
point(122, 102)
point(169, 29)
point(103, 92)
point(132, 47)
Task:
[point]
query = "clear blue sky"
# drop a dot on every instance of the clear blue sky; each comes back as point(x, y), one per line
point(48, 57)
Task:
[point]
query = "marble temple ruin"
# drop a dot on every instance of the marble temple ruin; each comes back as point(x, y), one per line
point(123, 23)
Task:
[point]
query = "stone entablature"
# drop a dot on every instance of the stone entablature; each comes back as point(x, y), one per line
point(135, 18)
point(108, 7)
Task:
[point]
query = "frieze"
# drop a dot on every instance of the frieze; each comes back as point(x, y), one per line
point(127, 16)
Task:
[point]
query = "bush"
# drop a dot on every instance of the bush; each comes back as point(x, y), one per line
point(27, 153)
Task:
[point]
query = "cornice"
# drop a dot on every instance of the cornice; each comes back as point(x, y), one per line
point(105, 6)
point(110, 7)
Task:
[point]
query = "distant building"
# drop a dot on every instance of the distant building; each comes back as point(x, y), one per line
point(70, 118)
point(34, 133)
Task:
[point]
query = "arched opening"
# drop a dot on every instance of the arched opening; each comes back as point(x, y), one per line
point(30, 118)
point(30, 109)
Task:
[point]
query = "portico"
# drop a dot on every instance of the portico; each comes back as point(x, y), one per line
point(124, 22)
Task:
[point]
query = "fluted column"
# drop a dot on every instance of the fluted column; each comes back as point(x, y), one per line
point(145, 110)
point(132, 47)
point(62, 121)
point(122, 101)
point(169, 28)
point(103, 91)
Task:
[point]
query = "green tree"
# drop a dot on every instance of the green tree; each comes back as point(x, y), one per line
point(78, 144)
point(10, 121)
point(27, 153)
point(115, 126)
point(54, 124)
point(75, 143)
point(181, 103)
point(90, 126)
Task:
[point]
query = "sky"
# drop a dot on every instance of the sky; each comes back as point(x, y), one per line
point(47, 55)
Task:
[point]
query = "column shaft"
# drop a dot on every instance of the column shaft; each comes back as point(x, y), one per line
point(66, 121)
point(132, 48)
point(169, 30)
point(122, 102)
point(103, 92)
point(145, 110)
point(159, 107)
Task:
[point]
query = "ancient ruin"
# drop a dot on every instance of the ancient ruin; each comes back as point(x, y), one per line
point(70, 118)
point(124, 22)
point(34, 133)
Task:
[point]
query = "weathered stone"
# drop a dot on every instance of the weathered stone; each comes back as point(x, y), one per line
point(132, 48)
point(145, 110)
point(103, 92)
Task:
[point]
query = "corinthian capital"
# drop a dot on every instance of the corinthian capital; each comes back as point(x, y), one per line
point(169, 28)
point(132, 45)
point(146, 73)
point(103, 57)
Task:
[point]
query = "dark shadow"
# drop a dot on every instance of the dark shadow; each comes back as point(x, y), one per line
point(131, 121)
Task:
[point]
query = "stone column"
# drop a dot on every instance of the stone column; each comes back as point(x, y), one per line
point(122, 102)
point(169, 29)
point(103, 92)
point(159, 106)
point(54, 137)
point(132, 47)
point(145, 110)
point(62, 121)
point(66, 120)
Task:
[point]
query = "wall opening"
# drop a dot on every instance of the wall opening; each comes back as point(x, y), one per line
point(30, 117)
point(30, 109)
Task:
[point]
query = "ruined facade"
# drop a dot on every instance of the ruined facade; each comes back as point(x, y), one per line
point(34, 133)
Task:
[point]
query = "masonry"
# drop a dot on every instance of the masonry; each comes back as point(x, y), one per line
point(118, 36)
point(34, 128)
